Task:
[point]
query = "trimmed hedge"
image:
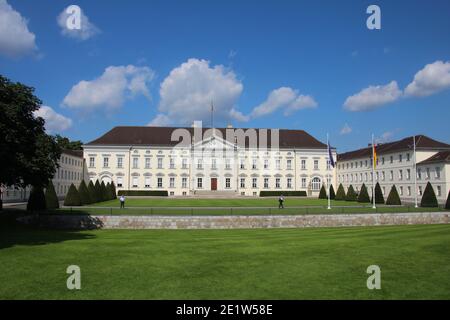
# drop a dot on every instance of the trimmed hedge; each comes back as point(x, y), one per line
point(379, 199)
point(113, 191)
point(323, 193)
point(103, 192)
point(332, 194)
point(84, 193)
point(73, 197)
point(351, 194)
point(51, 199)
point(98, 192)
point(92, 191)
point(447, 204)
point(289, 193)
point(393, 197)
point(429, 197)
point(144, 193)
point(363, 195)
point(340, 195)
point(36, 201)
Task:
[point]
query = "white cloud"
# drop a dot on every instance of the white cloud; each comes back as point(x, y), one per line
point(385, 137)
point(346, 129)
point(432, 78)
point(161, 120)
point(373, 97)
point(286, 98)
point(187, 92)
point(54, 122)
point(111, 89)
point(15, 38)
point(86, 31)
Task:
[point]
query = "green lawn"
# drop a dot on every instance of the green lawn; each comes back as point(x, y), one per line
point(227, 264)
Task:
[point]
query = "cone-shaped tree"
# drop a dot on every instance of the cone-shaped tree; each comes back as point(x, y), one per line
point(332, 194)
point(84, 193)
point(429, 197)
point(92, 192)
point(379, 199)
point(351, 194)
point(36, 201)
point(393, 198)
point(340, 195)
point(98, 191)
point(113, 191)
point(363, 195)
point(447, 204)
point(72, 197)
point(323, 193)
point(108, 191)
point(51, 199)
point(104, 192)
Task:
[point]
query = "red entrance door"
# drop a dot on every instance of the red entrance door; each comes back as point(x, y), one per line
point(213, 183)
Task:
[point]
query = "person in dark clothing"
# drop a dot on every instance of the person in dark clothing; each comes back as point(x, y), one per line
point(281, 202)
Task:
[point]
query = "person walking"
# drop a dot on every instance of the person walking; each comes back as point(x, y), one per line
point(281, 202)
point(122, 202)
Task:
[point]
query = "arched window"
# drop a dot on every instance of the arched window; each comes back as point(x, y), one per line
point(315, 184)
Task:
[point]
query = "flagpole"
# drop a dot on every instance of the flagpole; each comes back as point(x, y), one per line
point(373, 174)
point(328, 175)
point(415, 173)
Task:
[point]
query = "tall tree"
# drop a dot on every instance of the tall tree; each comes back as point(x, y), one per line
point(67, 144)
point(51, 199)
point(363, 194)
point(29, 156)
point(429, 197)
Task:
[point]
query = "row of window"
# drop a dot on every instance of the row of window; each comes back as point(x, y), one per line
point(70, 161)
point(368, 162)
point(315, 183)
point(406, 191)
point(200, 163)
point(401, 172)
point(62, 174)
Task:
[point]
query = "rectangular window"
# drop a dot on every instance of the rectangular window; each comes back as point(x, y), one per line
point(160, 163)
point(407, 157)
point(135, 163)
point(303, 182)
point(172, 182)
point(420, 190)
point(408, 174)
point(400, 158)
point(316, 164)
point(254, 163)
point(303, 164)
point(289, 183)
point(172, 163)
point(438, 189)
point(119, 162)
point(289, 164)
point(382, 160)
point(227, 183)
point(227, 163)
point(391, 159)
point(119, 182)
point(199, 163)
point(409, 191)
point(277, 164)
point(184, 163)
point(428, 173)
point(105, 162)
point(147, 182)
point(438, 173)
point(184, 182)
point(213, 164)
point(147, 163)
point(242, 182)
point(401, 191)
point(266, 183)
point(391, 175)
point(400, 174)
point(91, 162)
point(383, 176)
point(254, 183)
point(199, 183)
point(266, 164)
point(242, 165)
point(277, 183)
point(160, 183)
point(135, 182)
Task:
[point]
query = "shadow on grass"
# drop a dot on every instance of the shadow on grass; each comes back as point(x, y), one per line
point(13, 233)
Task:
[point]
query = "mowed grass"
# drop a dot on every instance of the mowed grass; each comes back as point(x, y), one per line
point(327, 263)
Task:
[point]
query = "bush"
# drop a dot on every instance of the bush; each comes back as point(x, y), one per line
point(73, 197)
point(103, 192)
point(113, 191)
point(323, 193)
point(351, 194)
point(379, 199)
point(363, 195)
point(98, 191)
point(332, 194)
point(36, 201)
point(340, 195)
point(429, 197)
point(84, 193)
point(144, 193)
point(289, 193)
point(447, 204)
point(51, 199)
point(393, 198)
point(92, 192)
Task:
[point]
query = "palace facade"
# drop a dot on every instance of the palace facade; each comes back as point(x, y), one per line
point(196, 161)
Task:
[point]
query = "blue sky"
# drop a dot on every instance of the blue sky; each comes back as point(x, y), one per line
point(274, 64)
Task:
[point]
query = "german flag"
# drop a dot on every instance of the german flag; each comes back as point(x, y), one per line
point(374, 151)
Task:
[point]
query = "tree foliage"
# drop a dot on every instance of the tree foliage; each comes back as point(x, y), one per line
point(51, 199)
point(340, 195)
point(323, 193)
point(84, 193)
point(363, 196)
point(98, 191)
point(332, 194)
point(73, 197)
point(379, 199)
point(36, 201)
point(351, 194)
point(92, 192)
point(103, 192)
point(67, 144)
point(447, 203)
point(113, 191)
point(393, 197)
point(429, 197)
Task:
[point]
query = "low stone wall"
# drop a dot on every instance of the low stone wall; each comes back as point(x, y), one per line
point(236, 222)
